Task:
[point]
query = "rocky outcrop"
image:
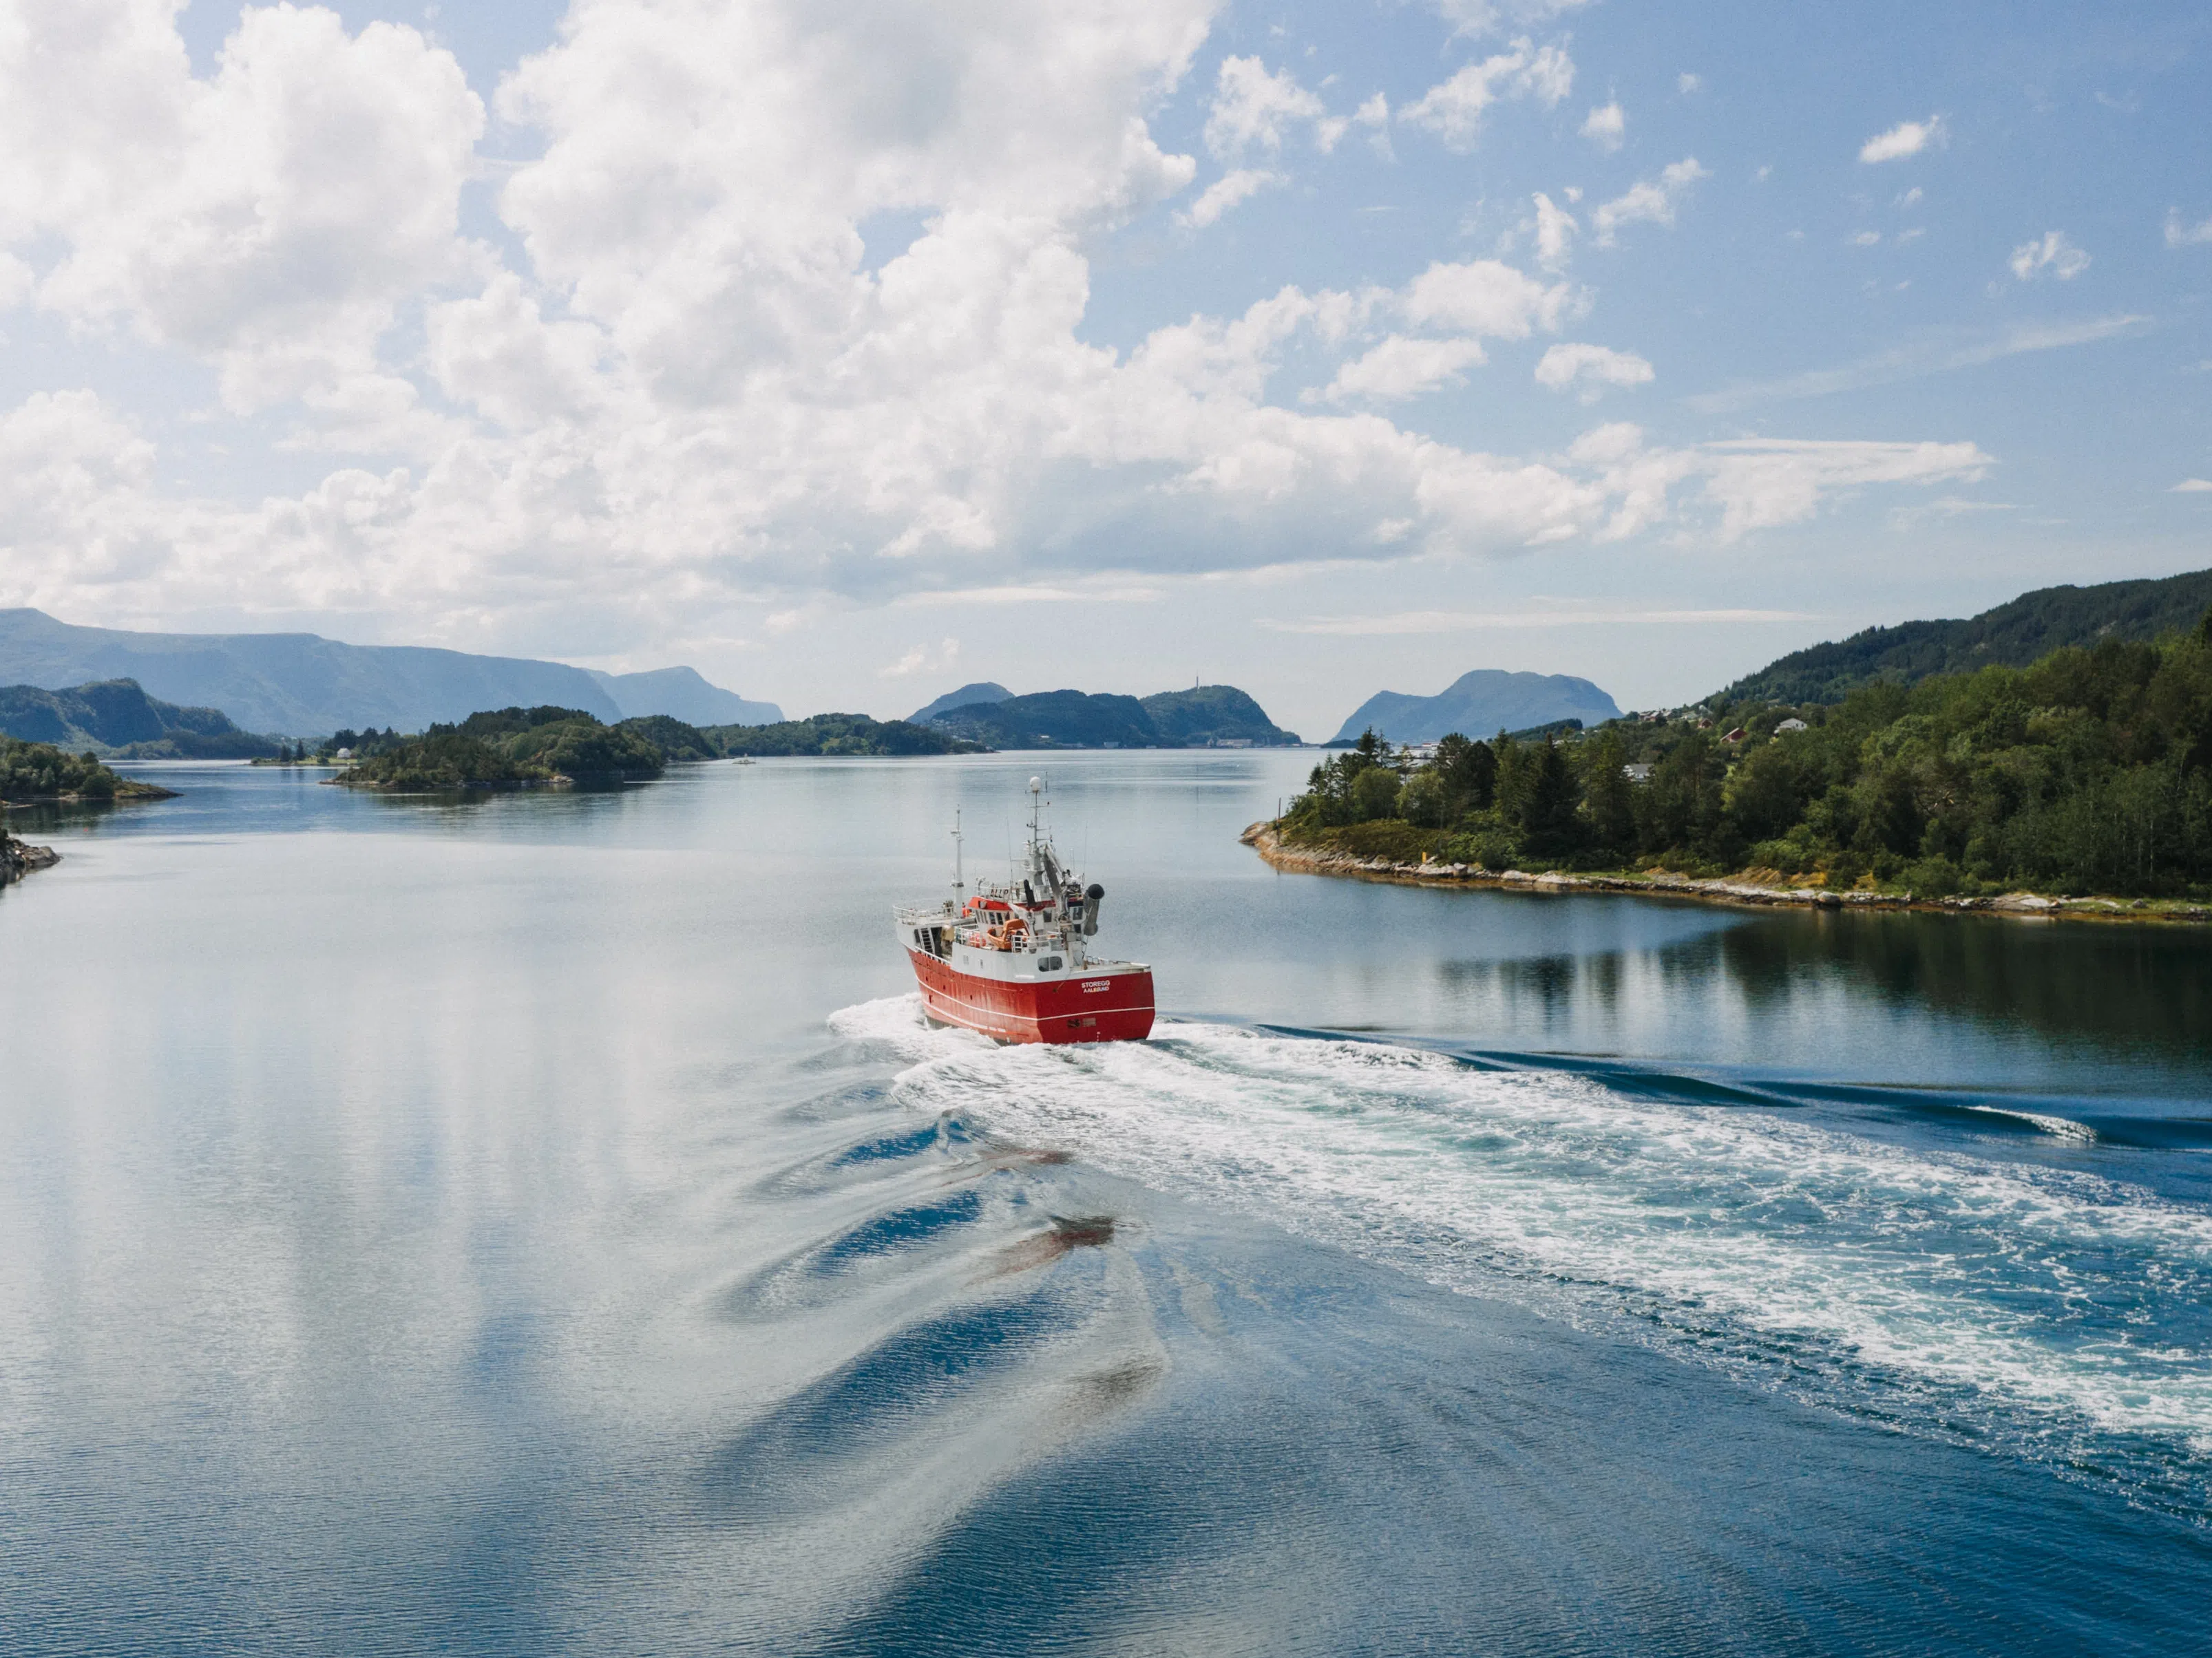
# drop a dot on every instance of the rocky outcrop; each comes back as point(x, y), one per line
point(1265, 840)
point(19, 858)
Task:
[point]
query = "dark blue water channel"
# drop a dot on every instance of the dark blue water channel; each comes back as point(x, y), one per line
point(543, 1225)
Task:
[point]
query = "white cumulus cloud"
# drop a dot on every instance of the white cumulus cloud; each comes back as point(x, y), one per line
point(1755, 483)
point(1605, 126)
point(1256, 109)
point(679, 382)
point(1225, 192)
point(1906, 138)
point(1478, 17)
point(1762, 483)
point(922, 660)
point(1401, 368)
point(270, 219)
point(2180, 234)
point(1470, 301)
point(1453, 109)
point(2049, 252)
point(1555, 233)
point(1592, 366)
point(1485, 296)
point(1374, 115)
point(1651, 200)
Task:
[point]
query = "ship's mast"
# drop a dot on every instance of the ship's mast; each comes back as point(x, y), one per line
point(959, 876)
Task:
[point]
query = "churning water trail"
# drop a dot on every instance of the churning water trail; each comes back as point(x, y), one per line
point(2053, 1314)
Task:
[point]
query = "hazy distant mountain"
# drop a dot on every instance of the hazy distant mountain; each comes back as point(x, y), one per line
point(116, 716)
point(1479, 705)
point(1081, 719)
point(301, 684)
point(682, 694)
point(983, 691)
point(2012, 636)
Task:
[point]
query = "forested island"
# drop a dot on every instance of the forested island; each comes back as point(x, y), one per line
point(2088, 773)
point(836, 733)
point(1204, 716)
point(504, 748)
point(519, 748)
point(36, 773)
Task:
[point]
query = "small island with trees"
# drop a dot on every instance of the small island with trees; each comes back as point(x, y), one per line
point(2081, 782)
point(523, 748)
point(42, 774)
point(503, 748)
point(827, 734)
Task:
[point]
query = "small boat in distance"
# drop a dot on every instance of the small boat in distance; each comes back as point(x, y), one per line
point(1014, 961)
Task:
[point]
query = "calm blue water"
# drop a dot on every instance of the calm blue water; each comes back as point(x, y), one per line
point(544, 1225)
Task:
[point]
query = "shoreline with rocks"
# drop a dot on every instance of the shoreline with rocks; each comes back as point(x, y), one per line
point(19, 857)
point(1264, 838)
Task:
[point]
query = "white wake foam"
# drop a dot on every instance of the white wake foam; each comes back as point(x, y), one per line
point(2058, 1292)
point(2064, 1128)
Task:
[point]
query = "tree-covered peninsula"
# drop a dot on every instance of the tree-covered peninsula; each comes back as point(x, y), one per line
point(837, 733)
point(35, 772)
point(511, 748)
point(2089, 772)
point(507, 748)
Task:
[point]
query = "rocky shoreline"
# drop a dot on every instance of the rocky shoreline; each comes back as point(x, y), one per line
point(19, 858)
point(128, 790)
point(558, 780)
point(1263, 838)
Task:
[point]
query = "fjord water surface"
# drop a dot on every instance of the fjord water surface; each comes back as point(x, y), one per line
point(543, 1223)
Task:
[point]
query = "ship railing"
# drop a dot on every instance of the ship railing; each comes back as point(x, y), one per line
point(946, 915)
point(1038, 941)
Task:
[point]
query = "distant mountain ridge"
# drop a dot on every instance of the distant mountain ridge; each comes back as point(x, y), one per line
point(983, 691)
point(2012, 635)
point(303, 684)
point(117, 718)
point(1203, 716)
point(683, 694)
point(1479, 704)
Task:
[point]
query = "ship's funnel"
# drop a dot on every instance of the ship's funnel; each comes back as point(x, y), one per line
point(1093, 893)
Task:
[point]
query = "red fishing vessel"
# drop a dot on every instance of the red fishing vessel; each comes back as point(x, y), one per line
point(1014, 961)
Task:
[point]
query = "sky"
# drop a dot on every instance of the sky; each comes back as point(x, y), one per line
point(850, 354)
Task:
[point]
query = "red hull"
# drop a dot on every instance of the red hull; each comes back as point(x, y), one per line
point(1101, 1007)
